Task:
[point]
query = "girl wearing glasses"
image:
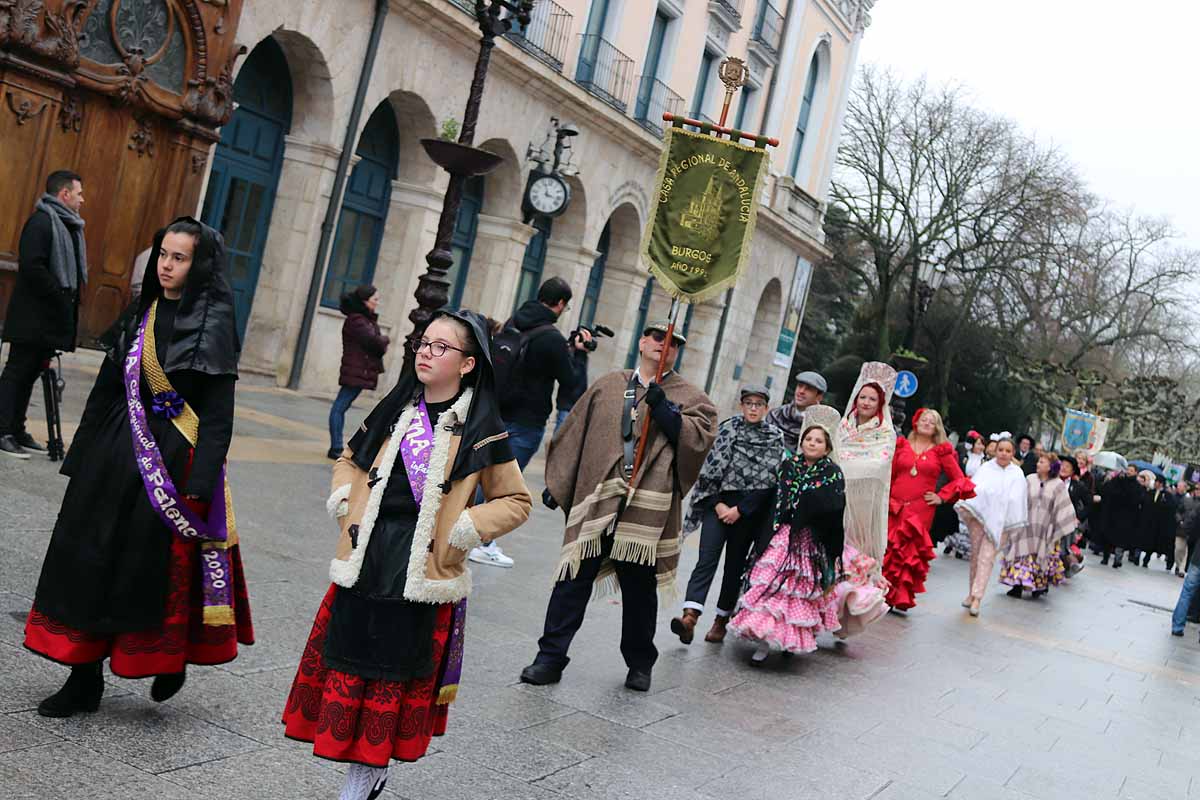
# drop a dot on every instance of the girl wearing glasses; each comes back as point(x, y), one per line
point(385, 654)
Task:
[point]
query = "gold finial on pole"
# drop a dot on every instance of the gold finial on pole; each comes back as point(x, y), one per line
point(733, 73)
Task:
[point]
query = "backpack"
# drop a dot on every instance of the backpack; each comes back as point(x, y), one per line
point(509, 347)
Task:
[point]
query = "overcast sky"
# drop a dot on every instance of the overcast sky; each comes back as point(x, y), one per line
point(1113, 84)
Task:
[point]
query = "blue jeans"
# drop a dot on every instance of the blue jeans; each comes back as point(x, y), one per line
point(525, 442)
point(559, 417)
point(337, 415)
point(1190, 584)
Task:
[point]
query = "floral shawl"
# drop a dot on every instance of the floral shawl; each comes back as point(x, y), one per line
point(810, 496)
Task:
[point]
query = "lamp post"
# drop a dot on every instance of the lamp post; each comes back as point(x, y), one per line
point(462, 160)
point(930, 277)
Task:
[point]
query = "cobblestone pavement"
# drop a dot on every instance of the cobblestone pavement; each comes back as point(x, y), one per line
point(1083, 694)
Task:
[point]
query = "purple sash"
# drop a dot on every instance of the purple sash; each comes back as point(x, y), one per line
point(164, 497)
point(415, 448)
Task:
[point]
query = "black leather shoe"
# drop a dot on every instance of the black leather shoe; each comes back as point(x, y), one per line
point(166, 686)
point(10, 447)
point(1014, 591)
point(638, 680)
point(541, 674)
point(28, 442)
point(333, 455)
point(81, 692)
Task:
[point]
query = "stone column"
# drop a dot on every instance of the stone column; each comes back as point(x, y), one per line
point(496, 265)
point(572, 262)
point(305, 183)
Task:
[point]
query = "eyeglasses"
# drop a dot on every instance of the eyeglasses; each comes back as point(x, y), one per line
point(660, 337)
point(754, 404)
point(436, 349)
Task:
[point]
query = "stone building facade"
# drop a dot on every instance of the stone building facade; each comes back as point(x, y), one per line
point(610, 68)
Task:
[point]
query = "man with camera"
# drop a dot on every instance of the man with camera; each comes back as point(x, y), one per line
point(43, 312)
point(543, 356)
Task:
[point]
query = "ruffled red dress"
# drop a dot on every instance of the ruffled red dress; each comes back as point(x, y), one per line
point(909, 550)
point(361, 720)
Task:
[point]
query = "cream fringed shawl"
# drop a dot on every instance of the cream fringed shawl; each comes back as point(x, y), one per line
point(864, 453)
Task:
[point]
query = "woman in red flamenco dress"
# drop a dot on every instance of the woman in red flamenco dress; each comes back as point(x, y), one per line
point(918, 463)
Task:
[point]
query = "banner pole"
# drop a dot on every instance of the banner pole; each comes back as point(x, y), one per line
point(676, 305)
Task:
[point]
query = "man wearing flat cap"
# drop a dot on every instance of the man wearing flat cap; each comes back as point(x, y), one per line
point(622, 537)
point(789, 418)
point(730, 503)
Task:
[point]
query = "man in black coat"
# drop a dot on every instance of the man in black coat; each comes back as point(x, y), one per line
point(43, 312)
point(1027, 455)
point(527, 403)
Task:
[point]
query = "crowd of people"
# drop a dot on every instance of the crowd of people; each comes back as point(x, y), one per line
point(825, 519)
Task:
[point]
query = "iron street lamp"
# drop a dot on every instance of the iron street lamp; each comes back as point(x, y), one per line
point(462, 160)
point(930, 277)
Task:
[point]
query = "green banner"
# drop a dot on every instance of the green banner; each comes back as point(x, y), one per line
point(698, 240)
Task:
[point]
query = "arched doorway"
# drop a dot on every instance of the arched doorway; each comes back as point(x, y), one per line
point(534, 263)
point(245, 169)
point(591, 295)
point(364, 207)
point(760, 355)
point(462, 241)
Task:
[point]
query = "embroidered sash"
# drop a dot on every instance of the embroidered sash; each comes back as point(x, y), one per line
point(218, 532)
point(415, 449)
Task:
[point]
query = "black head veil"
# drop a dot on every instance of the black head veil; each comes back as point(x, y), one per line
point(205, 336)
point(483, 441)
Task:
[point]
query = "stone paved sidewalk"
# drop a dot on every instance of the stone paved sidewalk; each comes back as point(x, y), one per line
point(1083, 694)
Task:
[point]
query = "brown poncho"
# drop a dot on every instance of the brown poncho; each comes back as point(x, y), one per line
point(583, 474)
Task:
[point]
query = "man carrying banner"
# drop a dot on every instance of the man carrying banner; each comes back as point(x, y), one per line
point(621, 533)
point(620, 479)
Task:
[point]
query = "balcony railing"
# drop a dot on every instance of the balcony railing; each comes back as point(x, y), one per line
point(768, 27)
point(546, 36)
point(604, 71)
point(466, 5)
point(654, 99)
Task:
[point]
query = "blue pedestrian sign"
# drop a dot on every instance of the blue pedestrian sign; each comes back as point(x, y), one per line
point(906, 384)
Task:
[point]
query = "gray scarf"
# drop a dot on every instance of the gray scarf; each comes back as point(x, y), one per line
point(743, 458)
point(70, 271)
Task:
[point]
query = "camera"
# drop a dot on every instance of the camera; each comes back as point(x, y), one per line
point(596, 331)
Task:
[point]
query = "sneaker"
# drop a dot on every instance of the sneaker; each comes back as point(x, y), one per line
point(490, 554)
point(10, 447)
point(28, 442)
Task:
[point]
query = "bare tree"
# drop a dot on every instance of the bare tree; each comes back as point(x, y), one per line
point(923, 175)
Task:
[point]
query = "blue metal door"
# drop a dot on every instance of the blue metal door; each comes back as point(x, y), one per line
point(245, 171)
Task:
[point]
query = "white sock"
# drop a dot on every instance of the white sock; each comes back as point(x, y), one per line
point(360, 780)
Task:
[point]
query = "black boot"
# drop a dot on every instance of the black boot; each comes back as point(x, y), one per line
point(81, 692)
point(1014, 591)
point(166, 686)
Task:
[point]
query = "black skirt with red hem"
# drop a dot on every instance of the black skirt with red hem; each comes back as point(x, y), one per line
point(182, 639)
point(351, 719)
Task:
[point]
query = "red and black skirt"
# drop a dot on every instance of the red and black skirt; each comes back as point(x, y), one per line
point(350, 718)
point(182, 639)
